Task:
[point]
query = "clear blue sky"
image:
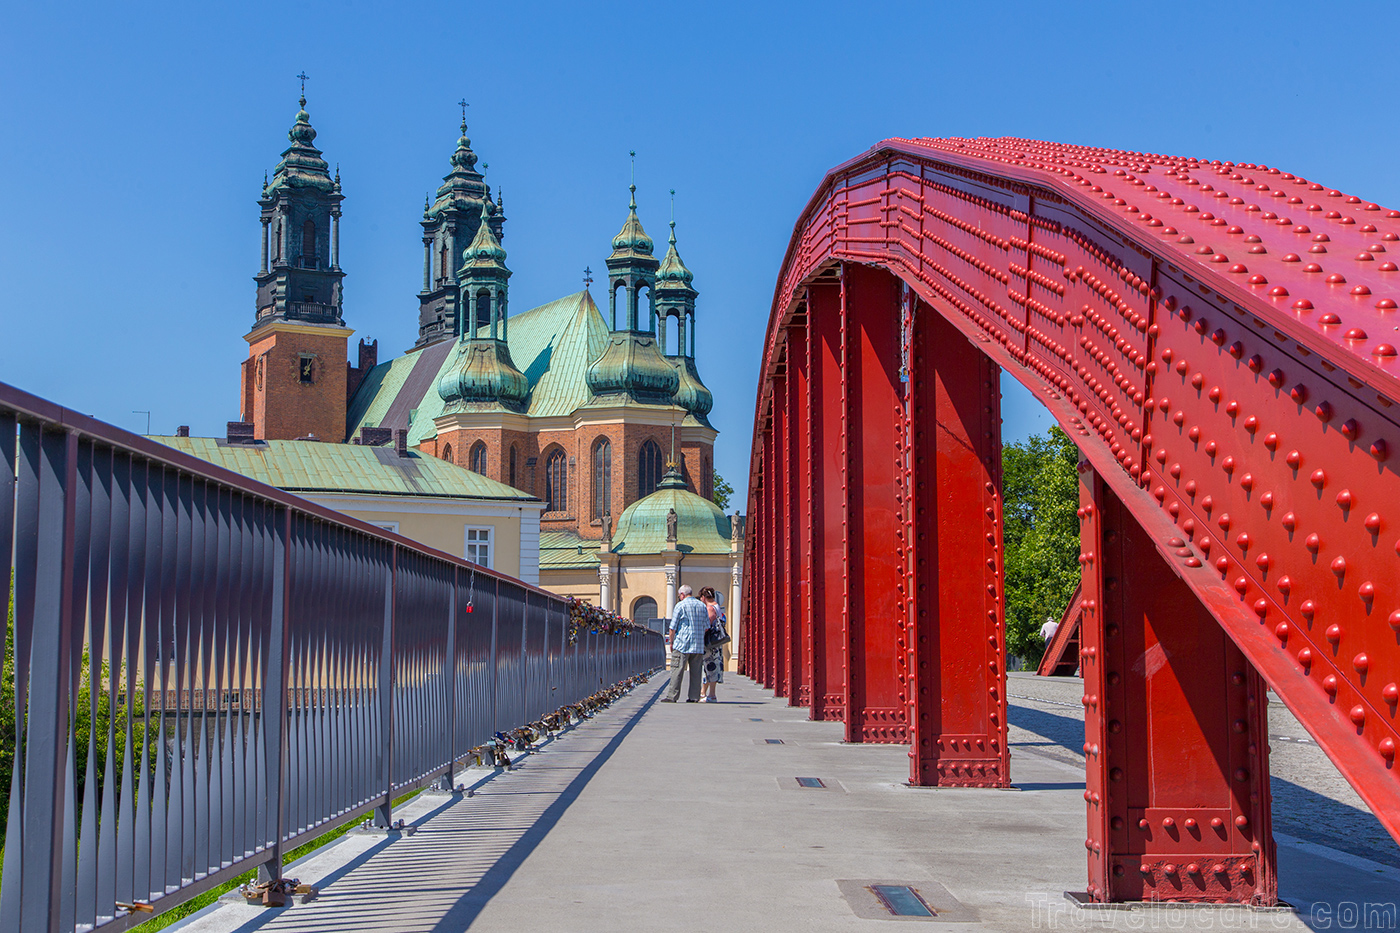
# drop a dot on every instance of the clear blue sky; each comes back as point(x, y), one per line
point(135, 136)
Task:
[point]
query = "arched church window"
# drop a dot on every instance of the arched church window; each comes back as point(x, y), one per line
point(644, 612)
point(556, 482)
point(447, 452)
point(277, 242)
point(308, 244)
point(648, 468)
point(483, 311)
point(478, 458)
point(444, 268)
point(511, 481)
point(602, 478)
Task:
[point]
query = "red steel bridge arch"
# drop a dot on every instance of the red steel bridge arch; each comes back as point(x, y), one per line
point(1219, 339)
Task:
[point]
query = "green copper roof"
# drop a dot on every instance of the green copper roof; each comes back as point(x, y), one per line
point(485, 252)
point(692, 395)
point(462, 187)
point(632, 365)
point(701, 526)
point(313, 467)
point(632, 241)
point(565, 550)
point(481, 371)
point(301, 165)
point(673, 272)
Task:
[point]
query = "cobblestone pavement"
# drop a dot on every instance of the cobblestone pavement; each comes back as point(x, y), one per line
point(1312, 801)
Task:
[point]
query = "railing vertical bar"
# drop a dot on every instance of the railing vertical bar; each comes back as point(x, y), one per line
point(274, 693)
point(201, 834)
point(99, 536)
point(384, 813)
point(78, 550)
point(117, 475)
point(181, 801)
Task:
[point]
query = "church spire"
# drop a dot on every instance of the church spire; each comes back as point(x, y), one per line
point(632, 265)
point(449, 220)
point(300, 277)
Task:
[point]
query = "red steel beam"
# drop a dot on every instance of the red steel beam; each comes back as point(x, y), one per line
point(957, 664)
point(1177, 744)
point(799, 486)
point(875, 604)
point(1219, 340)
point(826, 400)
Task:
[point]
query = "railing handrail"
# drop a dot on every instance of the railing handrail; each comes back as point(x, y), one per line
point(42, 409)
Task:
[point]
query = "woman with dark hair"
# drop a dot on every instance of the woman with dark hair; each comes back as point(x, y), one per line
point(713, 663)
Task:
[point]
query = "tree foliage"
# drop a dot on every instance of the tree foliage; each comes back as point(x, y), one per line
point(1040, 493)
point(722, 492)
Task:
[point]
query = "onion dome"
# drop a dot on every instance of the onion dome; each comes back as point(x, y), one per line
point(301, 165)
point(463, 188)
point(701, 526)
point(632, 241)
point(482, 372)
point(673, 271)
point(632, 364)
point(691, 393)
point(485, 251)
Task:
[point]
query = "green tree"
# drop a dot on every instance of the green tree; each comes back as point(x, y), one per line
point(722, 492)
point(1040, 493)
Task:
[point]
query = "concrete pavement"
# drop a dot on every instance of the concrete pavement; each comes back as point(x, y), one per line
point(659, 817)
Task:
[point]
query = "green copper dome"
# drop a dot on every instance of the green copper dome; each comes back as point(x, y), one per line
point(301, 165)
point(463, 188)
point(673, 270)
point(691, 393)
point(485, 251)
point(632, 363)
point(632, 240)
point(483, 372)
point(701, 526)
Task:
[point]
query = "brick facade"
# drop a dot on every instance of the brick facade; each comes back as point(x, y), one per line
point(578, 444)
point(286, 398)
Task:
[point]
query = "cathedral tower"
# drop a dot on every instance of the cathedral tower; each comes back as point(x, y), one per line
point(294, 380)
point(449, 224)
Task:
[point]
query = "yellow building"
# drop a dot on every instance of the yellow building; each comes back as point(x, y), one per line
point(420, 497)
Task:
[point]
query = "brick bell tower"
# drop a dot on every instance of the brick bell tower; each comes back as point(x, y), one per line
point(294, 381)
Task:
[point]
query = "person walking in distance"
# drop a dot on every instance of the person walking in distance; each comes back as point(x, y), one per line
point(687, 630)
point(714, 654)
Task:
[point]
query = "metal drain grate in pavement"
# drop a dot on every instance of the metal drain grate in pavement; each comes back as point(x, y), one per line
point(902, 900)
point(810, 782)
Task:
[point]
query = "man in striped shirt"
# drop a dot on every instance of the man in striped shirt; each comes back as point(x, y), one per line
point(689, 621)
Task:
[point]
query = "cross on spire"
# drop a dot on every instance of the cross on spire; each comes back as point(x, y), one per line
point(464, 105)
point(587, 276)
point(303, 76)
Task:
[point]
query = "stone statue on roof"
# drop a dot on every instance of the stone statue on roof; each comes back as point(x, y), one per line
point(671, 524)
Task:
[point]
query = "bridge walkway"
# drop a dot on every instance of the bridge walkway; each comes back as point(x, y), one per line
point(686, 818)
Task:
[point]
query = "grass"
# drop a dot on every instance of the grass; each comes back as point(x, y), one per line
point(195, 904)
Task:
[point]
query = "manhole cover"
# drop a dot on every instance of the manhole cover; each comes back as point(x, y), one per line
point(901, 900)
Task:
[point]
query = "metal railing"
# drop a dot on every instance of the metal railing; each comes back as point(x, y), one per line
point(204, 672)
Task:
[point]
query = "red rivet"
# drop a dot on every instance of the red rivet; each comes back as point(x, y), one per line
point(1323, 411)
point(1319, 478)
point(1334, 633)
point(1329, 683)
point(1367, 591)
point(1344, 499)
point(1339, 566)
point(1386, 746)
point(1305, 657)
point(1358, 715)
point(1373, 523)
point(1298, 393)
point(1391, 694)
point(1361, 663)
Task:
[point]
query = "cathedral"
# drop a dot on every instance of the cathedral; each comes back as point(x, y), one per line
point(588, 412)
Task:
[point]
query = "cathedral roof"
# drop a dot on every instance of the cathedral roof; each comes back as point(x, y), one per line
point(301, 165)
point(692, 394)
point(701, 526)
point(552, 345)
point(309, 467)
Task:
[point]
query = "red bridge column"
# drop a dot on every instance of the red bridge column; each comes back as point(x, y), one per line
point(826, 401)
point(799, 487)
point(957, 669)
point(876, 609)
point(1176, 741)
point(780, 514)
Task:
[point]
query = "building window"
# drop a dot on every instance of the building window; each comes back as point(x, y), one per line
point(478, 458)
point(447, 452)
point(511, 481)
point(308, 244)
point(602, 478)
point(648, 469)
point(556, 482)
point(387, 526)
point(644, 613)
point(478, 549)
point(483, 312)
